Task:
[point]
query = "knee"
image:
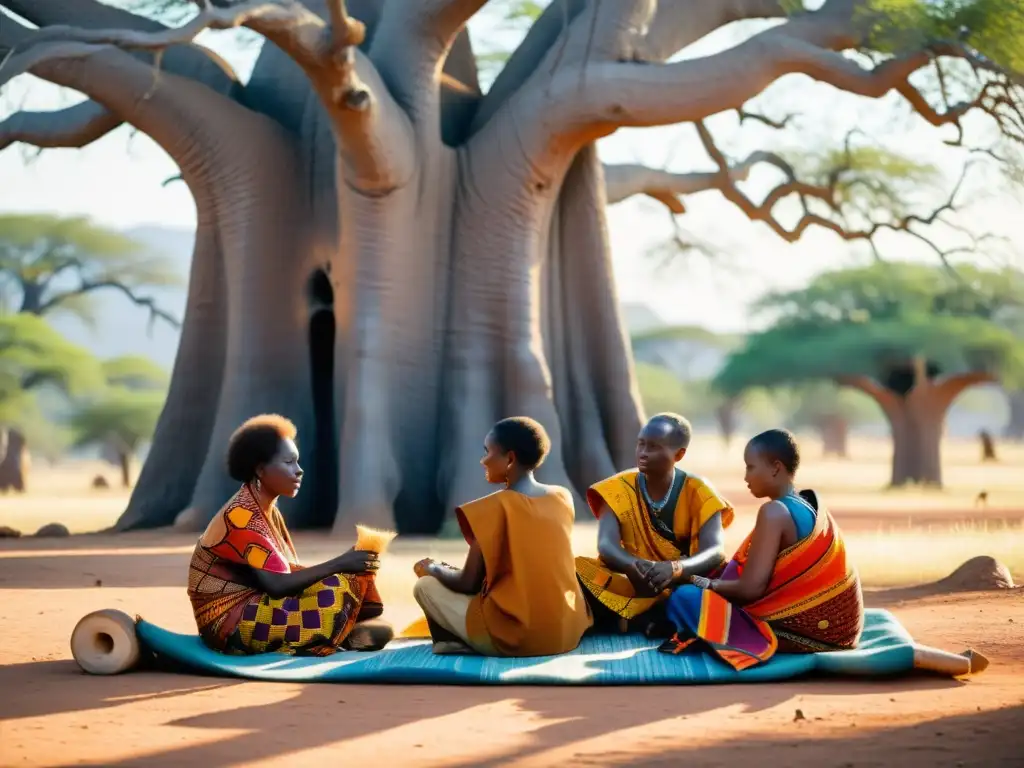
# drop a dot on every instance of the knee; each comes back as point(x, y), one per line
point(423, 587)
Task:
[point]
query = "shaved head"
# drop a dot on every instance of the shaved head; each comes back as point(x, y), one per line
point(677, 430)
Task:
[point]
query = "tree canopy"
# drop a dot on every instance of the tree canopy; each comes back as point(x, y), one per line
point(33, 354)
point(875, 320)
point(52, 263)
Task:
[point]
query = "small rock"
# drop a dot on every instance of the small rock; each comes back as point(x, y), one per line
point(799, 715)
point(6, 532)
point(99, 582)
point(100, 482)
point(53, 531)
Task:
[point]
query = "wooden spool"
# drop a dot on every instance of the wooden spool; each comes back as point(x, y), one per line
point(105, 643)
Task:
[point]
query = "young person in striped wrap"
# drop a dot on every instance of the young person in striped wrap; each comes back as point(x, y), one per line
point(790, 587)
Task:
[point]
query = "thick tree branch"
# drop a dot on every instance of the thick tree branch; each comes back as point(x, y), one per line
point(680, 23)
point(591, 103)
point(374, 136)
point(75, 127)
point(949, 388)
point(625, 181)
point(444, 19)
point(192, 61)
point(886, 398)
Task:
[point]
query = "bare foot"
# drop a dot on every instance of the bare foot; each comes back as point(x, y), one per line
point(452, 648)
point(369, 635)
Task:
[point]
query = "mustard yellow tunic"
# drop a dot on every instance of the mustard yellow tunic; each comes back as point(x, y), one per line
point(531, 603)
point(697, 503)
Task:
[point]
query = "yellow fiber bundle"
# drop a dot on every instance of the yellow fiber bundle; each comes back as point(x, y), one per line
point(372, 539)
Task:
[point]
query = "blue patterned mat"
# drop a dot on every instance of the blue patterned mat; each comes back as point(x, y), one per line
point(886, 649)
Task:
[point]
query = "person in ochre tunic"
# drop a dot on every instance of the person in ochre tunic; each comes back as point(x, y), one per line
point(657, 526)
point(517, 593)
point(790, 587)
point(248, 591)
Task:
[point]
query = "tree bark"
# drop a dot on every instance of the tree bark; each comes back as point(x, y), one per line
point(124, 460)
point(1015, 425)
point(835, 432)
point(15, 463)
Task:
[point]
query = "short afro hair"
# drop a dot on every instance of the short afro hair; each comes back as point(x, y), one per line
point(525, 437)
point(256, 442)
point(679, 427)
point(778, 445)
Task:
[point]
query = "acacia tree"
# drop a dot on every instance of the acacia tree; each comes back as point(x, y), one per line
point(452, 266)
point(34, 355)
point(911, 337)
point(52, 264)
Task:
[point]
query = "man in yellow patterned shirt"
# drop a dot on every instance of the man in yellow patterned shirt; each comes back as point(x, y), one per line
point(657, 527)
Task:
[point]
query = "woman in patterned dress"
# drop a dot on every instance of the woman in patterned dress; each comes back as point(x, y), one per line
point(248, 591)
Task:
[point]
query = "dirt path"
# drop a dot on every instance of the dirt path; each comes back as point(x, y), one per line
point(52, 714)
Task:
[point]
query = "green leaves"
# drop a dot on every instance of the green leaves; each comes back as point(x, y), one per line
point(52, 263)
point(33, 354)
point(121, 417)
point(993, 27)
point(867, 321)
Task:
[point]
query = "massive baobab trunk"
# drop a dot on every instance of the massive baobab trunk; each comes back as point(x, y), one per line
point(390, 257)
point(915, 404)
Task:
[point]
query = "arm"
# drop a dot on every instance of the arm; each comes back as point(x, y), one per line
point(710, 556)
point(765, 545)
point(278, 585)
point(609, 542)
point(469, 579)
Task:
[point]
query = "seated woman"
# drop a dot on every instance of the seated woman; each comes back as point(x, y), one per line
point(517, 594)
point(248, 592)
point(788, 588)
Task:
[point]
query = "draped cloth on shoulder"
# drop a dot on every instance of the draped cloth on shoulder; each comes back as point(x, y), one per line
point(530, 603)
point(233, 615)
point(697, 503)
point(813, 603)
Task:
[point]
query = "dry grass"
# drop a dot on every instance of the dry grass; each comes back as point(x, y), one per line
point(896, 537)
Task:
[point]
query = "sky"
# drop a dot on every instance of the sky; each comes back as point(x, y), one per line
point(118, 182)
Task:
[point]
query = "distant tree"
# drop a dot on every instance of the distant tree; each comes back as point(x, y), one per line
point(831, 412)
point(32, 356)
point(912, 337)
point(51, 264)
point(121, 419)
point(124, 416)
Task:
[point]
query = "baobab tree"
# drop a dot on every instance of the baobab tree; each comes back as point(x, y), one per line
point(394, 258)
point(911, 337)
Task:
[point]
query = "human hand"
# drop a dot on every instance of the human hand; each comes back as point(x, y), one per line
point(422, 568)
point(359, 561)
point(637, 574)
point(659, 576)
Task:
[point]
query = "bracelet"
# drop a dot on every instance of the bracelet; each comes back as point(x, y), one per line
point(677, 569)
